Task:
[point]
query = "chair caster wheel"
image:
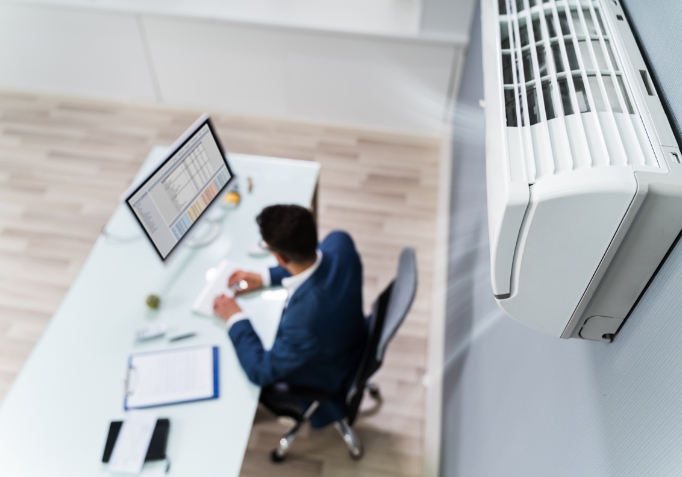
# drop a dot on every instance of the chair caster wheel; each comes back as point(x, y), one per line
point(373, 391)
point(275, 457)
point(357, 455)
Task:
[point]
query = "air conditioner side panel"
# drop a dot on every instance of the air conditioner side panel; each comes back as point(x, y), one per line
point(507, 200)
point(504, 236)
point(571, 220)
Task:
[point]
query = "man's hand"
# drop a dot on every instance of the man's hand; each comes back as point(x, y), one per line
point(253, 281)
point(225, 307)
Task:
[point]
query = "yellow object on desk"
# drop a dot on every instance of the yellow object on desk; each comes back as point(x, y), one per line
point(232, 198)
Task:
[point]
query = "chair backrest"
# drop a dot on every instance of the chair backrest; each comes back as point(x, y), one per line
point(388, 313)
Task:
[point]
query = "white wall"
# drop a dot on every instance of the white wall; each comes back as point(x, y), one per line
point(375, 82)
point(379, 17)
point(387, 17)
point(195, 55)
point(69, 51)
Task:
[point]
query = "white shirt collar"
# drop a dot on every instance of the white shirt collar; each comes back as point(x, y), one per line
point(294, 282)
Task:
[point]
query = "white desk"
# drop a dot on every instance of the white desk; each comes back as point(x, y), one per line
point(55, 418)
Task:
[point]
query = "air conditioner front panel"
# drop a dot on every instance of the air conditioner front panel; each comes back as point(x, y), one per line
point(568, 227)
point(651, 226)
point(557, 101)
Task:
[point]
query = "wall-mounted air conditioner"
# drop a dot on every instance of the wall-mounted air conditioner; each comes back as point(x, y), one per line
point(583, 170)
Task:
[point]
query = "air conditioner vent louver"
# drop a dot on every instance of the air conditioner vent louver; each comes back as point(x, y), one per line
point(567, 102)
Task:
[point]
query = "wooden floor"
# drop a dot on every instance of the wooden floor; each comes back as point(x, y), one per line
point(63, 164)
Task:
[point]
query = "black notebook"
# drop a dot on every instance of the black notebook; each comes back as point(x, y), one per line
point(157, 446)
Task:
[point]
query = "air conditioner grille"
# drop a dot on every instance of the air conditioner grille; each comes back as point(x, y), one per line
point(567, 102)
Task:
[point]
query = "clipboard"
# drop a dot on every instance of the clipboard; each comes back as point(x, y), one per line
point(173, 376)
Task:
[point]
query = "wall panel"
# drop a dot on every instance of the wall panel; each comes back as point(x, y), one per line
point(71, 51)
point(210, 65)
point(365, 81)
point(189, 54)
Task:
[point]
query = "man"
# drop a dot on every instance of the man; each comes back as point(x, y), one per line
point(322, 334)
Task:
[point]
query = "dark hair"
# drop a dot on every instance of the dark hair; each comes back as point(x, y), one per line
point(289, 230)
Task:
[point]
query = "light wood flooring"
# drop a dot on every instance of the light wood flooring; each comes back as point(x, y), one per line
point(63, 164)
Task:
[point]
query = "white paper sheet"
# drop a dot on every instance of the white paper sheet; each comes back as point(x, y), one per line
point(132, 442)
point(171, 376)
point(203, 304)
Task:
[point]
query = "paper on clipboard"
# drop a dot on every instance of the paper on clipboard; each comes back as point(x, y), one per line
point(172, 377)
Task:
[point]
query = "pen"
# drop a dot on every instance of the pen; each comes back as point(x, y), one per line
point(182, 337)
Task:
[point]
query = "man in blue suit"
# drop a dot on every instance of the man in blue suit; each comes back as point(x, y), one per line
point(322, 333)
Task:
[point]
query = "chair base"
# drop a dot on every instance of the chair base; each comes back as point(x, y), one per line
point(373, 390)
point(275, 458)
point(351, 439)
point(279, 454)
point(355, 449)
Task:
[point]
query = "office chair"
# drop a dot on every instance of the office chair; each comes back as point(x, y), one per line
point(388, 313)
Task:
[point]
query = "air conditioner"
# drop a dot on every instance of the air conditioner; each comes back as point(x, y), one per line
point(584, 179)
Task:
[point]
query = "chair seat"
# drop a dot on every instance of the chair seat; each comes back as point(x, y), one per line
point(278, 400)
point(293, 401)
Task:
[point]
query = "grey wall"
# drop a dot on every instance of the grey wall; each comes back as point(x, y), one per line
point(657, 25)
point(446, 18)
point(519, 403)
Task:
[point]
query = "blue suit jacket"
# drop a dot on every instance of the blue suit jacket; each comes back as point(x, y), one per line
point(322, 334)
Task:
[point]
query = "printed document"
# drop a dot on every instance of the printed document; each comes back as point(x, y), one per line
point(170, 377)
